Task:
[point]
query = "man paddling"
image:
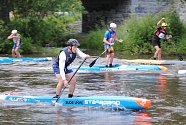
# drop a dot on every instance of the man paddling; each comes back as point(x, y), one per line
point(62, 66)
point(161, 33)
point(17, 43)
point(108, 40)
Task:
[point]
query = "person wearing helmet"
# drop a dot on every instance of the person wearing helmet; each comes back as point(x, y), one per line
point(62, 66)
point(108, 40)
point(160, 33)
point(17, 43)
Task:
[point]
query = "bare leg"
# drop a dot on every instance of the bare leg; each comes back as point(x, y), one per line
point(59, 85)
point(13, 53)
point(72, 83)
point(111, 57)
point(157, 51)
point(107, 58)
point(159, 54)
point(17, 52)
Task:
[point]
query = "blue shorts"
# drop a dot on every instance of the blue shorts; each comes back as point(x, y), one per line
point(15, 45)
point(56, 70)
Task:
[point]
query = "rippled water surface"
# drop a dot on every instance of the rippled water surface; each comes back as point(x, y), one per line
point(166, 90)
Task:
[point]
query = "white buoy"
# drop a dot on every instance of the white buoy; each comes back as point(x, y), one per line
point(181, 71)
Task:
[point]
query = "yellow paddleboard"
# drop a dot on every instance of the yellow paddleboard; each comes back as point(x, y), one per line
point(157, 62)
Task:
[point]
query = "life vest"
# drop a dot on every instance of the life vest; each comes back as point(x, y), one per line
point(16, 39)
point(69, 59)
point(112, 36)
point(160, 33)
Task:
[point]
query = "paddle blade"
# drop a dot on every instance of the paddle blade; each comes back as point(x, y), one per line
point(57, 99)
point(91, 64)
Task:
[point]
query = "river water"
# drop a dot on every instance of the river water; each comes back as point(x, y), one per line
point(166, 90)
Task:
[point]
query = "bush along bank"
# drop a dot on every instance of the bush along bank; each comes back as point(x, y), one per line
point(137, 34)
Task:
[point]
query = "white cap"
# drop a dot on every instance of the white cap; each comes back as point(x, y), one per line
point(14, 31)
point(113, 25)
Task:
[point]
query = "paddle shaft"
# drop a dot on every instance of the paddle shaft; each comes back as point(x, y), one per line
point(93, 62)
point(76, 71)
point(101, 54)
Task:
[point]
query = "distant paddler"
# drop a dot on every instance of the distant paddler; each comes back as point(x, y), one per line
point(160, 33)
point(17, 43)
point(108, 40)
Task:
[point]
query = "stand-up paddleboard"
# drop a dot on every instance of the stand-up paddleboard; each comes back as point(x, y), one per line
point(101, 68)
point(9, 60)
point(157, 62)
point(89, 101)
point(183, 72)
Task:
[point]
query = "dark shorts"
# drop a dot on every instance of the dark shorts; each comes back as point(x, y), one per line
point(56, 69)
point(14, 46)
point(156, 42)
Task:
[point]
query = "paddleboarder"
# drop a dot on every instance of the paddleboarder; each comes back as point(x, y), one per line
point(108, 40)
point(17, 43)
point(160, 33)
point(62, 66)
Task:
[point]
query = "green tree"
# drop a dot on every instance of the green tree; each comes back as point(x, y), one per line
point(36, 21)
point(5, 8)
point(41, 8)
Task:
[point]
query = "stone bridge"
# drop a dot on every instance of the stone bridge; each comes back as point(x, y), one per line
point(99, 13)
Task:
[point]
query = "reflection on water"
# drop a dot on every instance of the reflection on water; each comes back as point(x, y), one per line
point(166, 90)
point(99, 116)
point(162, 84)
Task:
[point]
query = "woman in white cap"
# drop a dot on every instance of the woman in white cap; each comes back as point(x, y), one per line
point(17, 43)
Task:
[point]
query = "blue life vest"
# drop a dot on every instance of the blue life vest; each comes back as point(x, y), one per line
point(69, 59)
point(15, 40)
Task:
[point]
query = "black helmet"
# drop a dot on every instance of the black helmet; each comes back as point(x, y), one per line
point(72, 42)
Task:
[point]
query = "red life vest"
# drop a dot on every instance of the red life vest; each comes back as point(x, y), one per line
point(160, 32)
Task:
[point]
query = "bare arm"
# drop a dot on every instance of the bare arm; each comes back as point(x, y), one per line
point(106, 41)
point(118, 40)
point(11, 36)
point(168, 37)
point(160, 21)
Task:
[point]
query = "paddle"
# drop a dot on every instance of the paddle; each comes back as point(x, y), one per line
point(72, 77)
point(93, 62)
point(179, 55)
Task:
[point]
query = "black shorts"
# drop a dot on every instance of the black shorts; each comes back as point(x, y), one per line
point(156, 42)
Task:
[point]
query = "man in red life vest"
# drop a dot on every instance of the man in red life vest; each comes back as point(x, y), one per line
point(161, 33)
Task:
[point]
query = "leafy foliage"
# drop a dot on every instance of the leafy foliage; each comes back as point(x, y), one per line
point(137, 34)
point(36, 22)
point(94, 40)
